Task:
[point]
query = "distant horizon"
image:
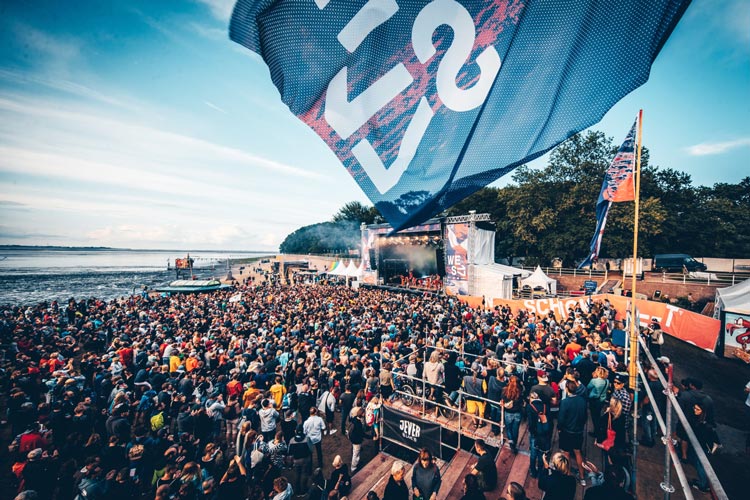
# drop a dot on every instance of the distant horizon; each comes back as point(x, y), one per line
point(106, 248)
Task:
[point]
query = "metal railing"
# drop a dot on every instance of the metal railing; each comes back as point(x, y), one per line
point(670, 454)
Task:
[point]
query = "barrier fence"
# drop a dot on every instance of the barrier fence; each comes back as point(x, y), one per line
point(666, 422)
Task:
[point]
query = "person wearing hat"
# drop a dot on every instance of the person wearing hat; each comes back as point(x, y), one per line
point(621, 393)
point(546, 393)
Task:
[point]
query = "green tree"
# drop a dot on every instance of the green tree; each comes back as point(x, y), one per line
point(357, 212)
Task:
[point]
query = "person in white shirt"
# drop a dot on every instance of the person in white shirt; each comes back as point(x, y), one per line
point(327, 407)
point(268, 418)
point(314, 427)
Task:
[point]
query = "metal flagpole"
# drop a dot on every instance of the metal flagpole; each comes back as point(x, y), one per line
point(633, 365)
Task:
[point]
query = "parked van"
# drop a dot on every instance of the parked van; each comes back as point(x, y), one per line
point(676, 262)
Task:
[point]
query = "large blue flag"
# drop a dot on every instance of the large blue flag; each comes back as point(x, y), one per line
point(426, 102)
point(618, 185)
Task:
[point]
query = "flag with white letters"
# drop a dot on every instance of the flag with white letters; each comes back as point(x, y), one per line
point(426, 102)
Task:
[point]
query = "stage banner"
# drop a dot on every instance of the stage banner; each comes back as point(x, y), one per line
point(367, 244)
point(701, 331)
point(411, 431)
point(736, 338)
point(370, 277)
point(472, 301)
point(424, 102)
point(456, 259)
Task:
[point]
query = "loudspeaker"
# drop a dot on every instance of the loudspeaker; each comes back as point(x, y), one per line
point(440, 260)
point(373, 260)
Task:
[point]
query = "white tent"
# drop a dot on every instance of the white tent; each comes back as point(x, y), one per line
point(540, 280)
point(338, 270)
point(735, 298)
point(351, 270)
point(493, 281)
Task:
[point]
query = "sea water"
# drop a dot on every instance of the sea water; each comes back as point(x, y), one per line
point(33, 275)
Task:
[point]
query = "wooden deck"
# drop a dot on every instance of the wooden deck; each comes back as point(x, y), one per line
point(374, 476)
point(511, 467)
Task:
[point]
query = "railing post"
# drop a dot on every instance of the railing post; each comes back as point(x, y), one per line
point(502, 425)
point(666, 485)
point(460, 414)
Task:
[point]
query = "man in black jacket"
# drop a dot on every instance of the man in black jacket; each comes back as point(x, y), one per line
point(347, 402)
point(357, 436)
point(571, 422)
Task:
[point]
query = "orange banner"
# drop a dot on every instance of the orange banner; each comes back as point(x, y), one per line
point(691, 327)
point(472, 301)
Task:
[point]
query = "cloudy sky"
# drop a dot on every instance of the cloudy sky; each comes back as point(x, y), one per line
point(138, 124)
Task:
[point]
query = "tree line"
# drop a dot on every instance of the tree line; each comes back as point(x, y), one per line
point(550, 213)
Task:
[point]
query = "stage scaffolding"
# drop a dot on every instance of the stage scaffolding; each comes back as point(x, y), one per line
point(464, 421)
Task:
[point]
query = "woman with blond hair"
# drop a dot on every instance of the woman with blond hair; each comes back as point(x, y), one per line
point(372, 416)
point(340, 480)
point(614, 419)
point(597, 393)
point(434, 374)
point(557, 482)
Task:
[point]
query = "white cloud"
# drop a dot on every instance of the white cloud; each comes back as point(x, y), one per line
point(172, 151)
point(221, 9)
point(68, 86)
point(716, 148)
point(214, 106)
point(53, 48)
point(210, 33)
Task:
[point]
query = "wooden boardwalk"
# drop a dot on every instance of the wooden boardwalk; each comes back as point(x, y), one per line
point(511, 467)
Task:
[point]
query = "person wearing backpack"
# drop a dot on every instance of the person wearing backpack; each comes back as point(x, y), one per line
point(597, 394)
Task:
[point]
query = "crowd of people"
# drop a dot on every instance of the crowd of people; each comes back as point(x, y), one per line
point(225, 396)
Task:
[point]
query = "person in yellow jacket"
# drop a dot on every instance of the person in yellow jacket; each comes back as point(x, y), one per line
point(174, 361)
point(278, 390)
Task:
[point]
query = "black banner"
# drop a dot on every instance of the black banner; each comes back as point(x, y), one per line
point(411, 431)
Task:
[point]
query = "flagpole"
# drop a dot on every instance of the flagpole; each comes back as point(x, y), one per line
point(633, 366)
point(634, 319)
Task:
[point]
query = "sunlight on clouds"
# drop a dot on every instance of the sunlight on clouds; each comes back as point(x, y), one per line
point(717, 148)
point(173, 152)
point(221, 9)
point(55, 53)
point(200, 235)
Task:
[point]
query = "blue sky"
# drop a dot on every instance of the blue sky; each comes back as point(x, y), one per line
point(139, 124)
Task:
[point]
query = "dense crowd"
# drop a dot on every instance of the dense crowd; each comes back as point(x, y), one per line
point(225, 396)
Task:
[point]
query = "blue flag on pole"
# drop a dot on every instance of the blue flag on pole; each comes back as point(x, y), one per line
point(618, 185)
point(426, 102)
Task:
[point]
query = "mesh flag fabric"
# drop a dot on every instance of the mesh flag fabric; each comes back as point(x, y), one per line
point(617, 186)
point(426, 102)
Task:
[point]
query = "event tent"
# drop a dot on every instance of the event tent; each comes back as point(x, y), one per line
point(493, 281)
point(735, 298)
point(351, 270)
point(540, 280)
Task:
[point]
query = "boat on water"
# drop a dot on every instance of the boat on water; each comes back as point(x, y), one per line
point(193, 286)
